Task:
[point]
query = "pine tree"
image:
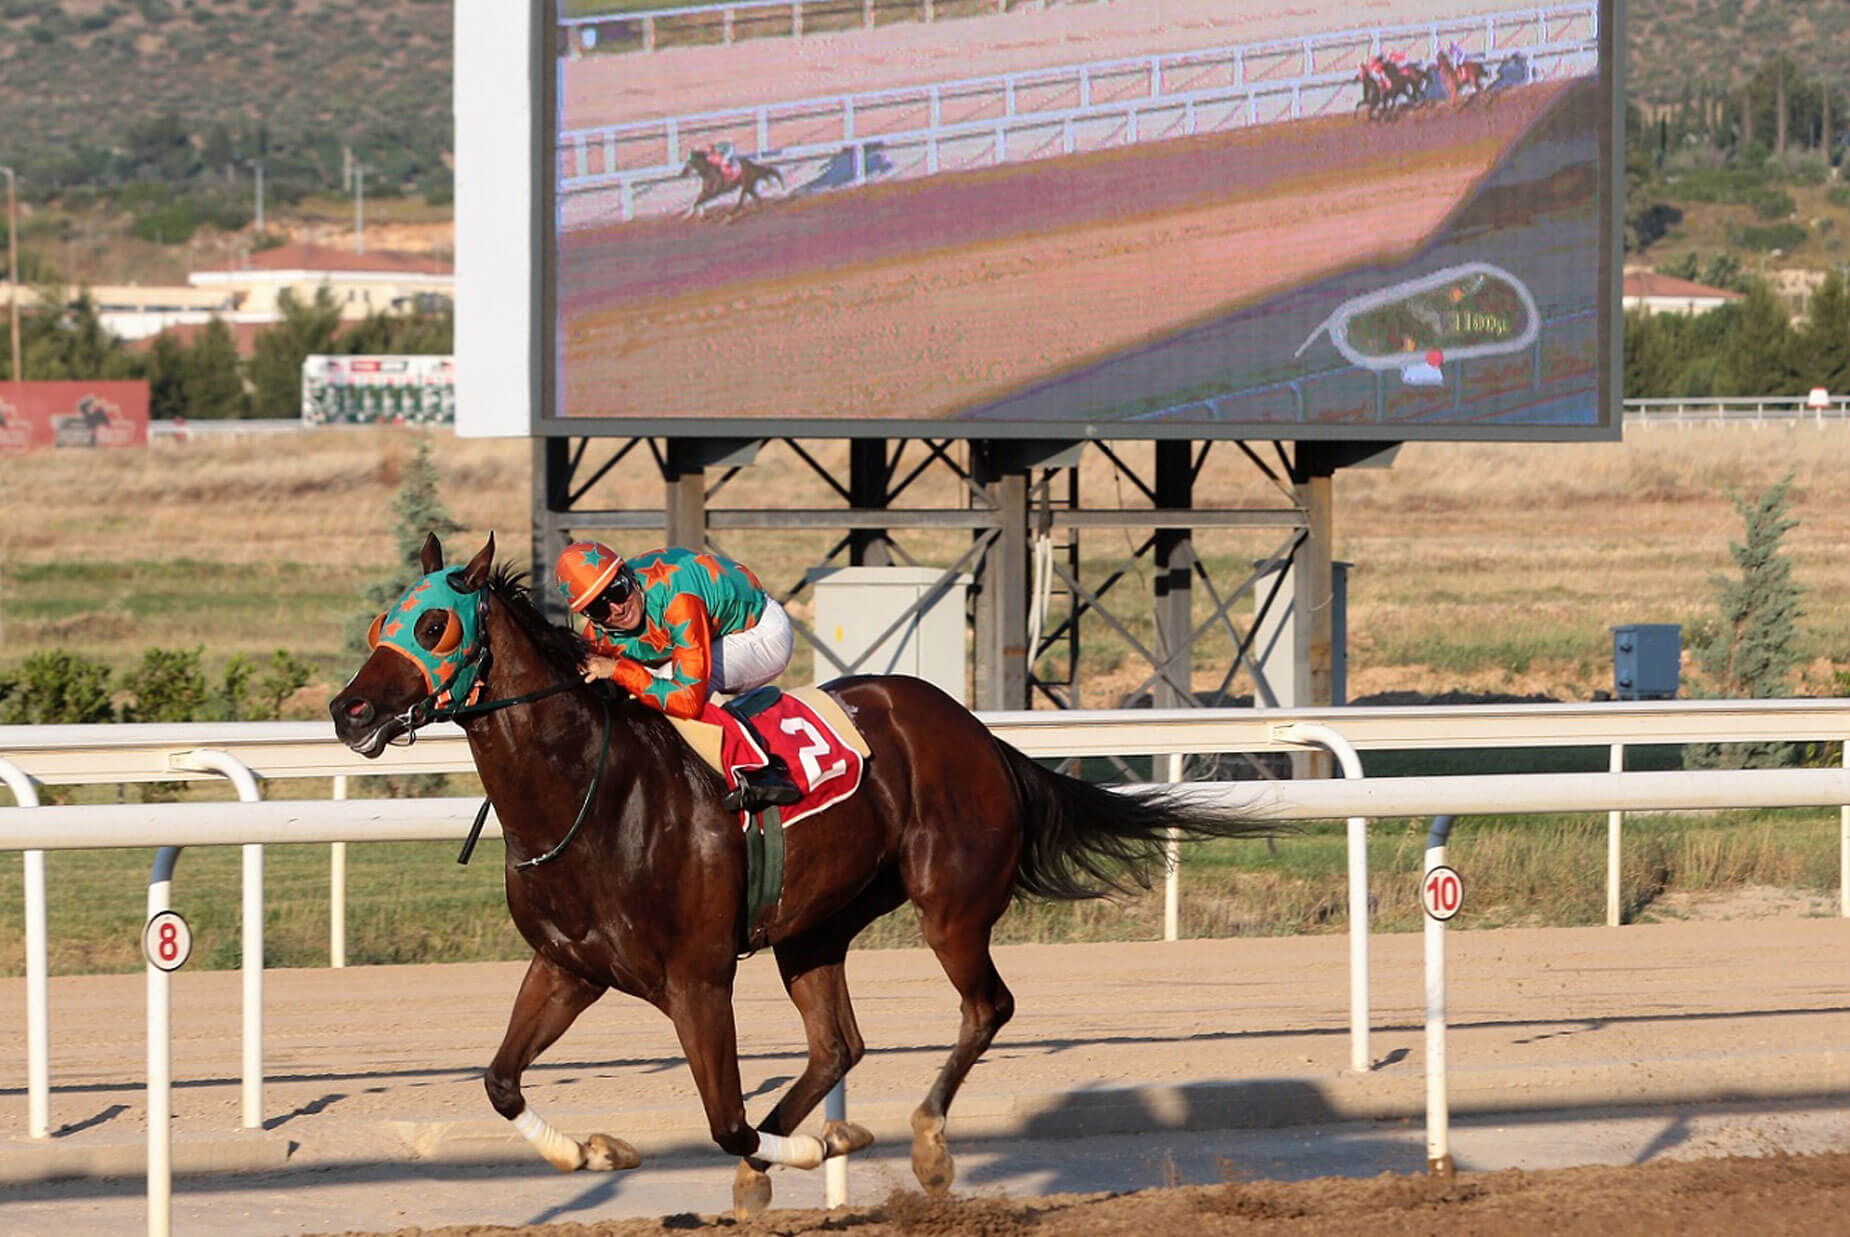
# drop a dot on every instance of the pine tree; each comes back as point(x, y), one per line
point(276, 368)
point(1759, 357)
point(1825, 343)
point(212, 387)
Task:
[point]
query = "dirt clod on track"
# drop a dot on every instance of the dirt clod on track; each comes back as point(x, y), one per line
point(1770, 1195)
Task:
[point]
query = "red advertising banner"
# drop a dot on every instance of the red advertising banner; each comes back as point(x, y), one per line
point(72, 414)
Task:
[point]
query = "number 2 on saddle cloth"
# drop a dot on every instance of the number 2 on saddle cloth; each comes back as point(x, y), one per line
point(825, 765)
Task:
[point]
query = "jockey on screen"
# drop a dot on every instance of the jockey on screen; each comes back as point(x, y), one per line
point(673, 626)
point(726, 159)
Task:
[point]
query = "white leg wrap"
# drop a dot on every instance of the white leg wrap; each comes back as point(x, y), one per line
point(564, 1154)
point(797, 1150)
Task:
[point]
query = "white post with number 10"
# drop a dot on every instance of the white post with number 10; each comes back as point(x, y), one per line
point(1442, 893)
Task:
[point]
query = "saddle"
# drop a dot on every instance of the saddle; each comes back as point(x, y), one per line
point(826, 756)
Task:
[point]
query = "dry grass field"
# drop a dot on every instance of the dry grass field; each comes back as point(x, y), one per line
point(1489, 568)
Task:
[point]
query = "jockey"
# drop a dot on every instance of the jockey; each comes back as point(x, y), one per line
point(672, 626)
point(726, 159)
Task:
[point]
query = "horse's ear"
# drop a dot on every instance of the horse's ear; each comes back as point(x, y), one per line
point(430, 558)
point(476, 573)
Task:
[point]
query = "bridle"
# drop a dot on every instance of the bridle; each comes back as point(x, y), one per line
point(464, 665)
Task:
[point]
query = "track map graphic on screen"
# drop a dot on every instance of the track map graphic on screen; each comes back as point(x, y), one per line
point(1197, 219)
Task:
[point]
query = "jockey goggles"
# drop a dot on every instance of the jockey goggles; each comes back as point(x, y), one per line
point(452, 664)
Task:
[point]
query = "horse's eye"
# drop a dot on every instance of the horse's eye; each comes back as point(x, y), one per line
point(439, 631)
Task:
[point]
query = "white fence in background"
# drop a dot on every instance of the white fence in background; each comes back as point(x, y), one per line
point(649, 29)
point(1748, 411)
point(637, 168)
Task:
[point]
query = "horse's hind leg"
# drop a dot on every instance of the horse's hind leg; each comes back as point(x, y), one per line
point(961, 941)
point(548, 1002)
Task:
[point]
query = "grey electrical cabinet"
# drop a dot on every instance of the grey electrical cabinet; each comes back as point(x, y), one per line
point(892, 620)
point(1647, 661)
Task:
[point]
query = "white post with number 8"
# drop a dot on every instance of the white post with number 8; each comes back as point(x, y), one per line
point(166, 942)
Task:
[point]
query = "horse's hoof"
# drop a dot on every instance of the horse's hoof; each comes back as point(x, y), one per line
point(751, 1191)
point(843, 1137)
point(604, 1154)
point(931, 1163)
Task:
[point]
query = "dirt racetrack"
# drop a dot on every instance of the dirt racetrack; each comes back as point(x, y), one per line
point(1721, 1197)
point(381, 1067)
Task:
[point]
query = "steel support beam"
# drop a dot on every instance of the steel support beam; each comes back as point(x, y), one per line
point(869, 481)
point(1174, 552)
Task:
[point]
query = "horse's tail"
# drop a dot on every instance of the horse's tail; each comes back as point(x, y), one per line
point(1084, 841)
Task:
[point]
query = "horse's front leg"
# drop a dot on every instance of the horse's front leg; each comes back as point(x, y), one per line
point(702, 1015)
point(548, 1002)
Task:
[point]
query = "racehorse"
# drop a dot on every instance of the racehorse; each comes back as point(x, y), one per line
point(1466, 72)
point(715, 180)
point(1405, 86)
point(623, 871)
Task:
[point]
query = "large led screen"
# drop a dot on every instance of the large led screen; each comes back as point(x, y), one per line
point(1185, 218)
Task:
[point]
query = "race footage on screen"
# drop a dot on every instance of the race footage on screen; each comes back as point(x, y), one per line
point(1107, 220)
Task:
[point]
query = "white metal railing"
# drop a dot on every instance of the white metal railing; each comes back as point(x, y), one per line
point(1737, 410)
point(990, 120)
point(253, 822)
point(149, 752)
point(763, 18)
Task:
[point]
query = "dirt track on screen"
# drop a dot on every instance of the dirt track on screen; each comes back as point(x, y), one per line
point(934, 296)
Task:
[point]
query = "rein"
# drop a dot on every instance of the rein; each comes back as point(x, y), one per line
point(597, 775)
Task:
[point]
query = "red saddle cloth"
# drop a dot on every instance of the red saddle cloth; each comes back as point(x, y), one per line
point(824, 765)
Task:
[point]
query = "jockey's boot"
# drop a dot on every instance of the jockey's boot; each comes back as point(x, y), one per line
point(769, 786)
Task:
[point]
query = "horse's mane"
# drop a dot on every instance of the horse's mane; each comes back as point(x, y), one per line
point(564, 650)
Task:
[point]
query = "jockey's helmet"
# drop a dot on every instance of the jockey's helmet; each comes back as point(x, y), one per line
point(584, 570)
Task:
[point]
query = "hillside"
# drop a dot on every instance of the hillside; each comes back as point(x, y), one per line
point(160, 106)
point(295, 79)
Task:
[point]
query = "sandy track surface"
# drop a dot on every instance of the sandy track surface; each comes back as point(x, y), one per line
point(382, 1065)
point(610, 89)
point(929, 297)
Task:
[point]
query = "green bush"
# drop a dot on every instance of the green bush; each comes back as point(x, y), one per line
point(168, 686)
point(1838, 195)
point(55, 688)
point(1773, 204)
point(1765, 239)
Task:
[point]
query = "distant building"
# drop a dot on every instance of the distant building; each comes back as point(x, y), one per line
point(1666, 294)
point(362, 284)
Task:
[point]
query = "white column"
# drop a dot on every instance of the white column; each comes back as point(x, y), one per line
point(38, 999)
point(337, 891)
point(1614, 826)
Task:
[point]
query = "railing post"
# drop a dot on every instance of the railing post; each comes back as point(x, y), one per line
point(835, 1170)
point(38, 991)
point(211, 760)
point(1843, 848)
point(1351, 762)
point(160, 1059)
point(337, 890)
point(1438, 1105)
point(1172, 858)
point(1614, 825)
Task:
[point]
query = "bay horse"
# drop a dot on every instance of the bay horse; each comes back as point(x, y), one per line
point(714, 181)
point(1464, 72)
point(623, 871)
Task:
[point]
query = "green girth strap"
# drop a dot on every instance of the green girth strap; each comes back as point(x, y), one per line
point(764, 876)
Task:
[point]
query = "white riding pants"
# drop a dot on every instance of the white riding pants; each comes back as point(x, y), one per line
point(752, 658)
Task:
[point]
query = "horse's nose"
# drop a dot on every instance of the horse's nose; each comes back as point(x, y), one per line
point(355, 710)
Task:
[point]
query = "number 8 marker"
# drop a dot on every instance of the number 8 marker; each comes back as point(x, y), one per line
point(167, 941)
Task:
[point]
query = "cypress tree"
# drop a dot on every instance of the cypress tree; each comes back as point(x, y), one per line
point(1753, 650)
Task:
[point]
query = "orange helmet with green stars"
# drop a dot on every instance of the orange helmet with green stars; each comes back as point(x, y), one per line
point(584, 570)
